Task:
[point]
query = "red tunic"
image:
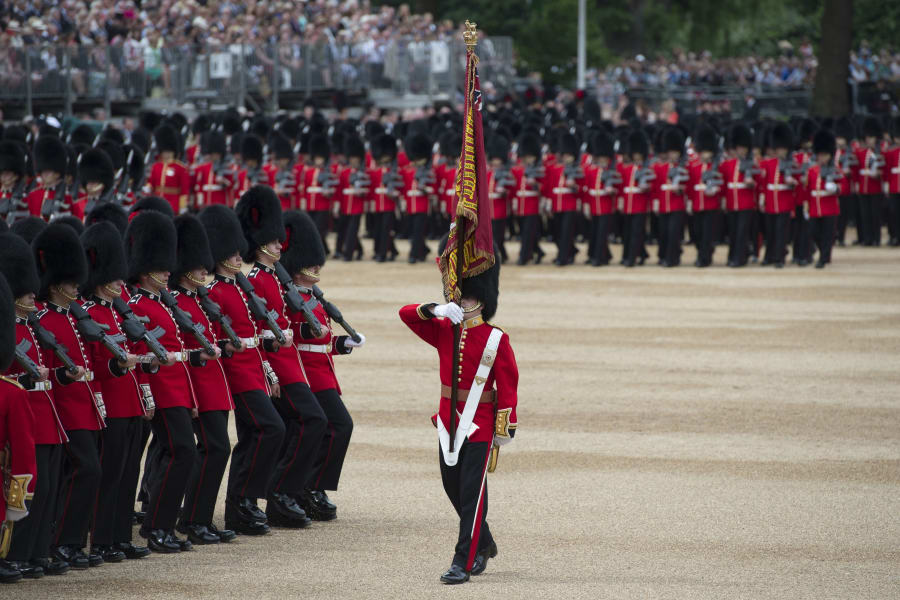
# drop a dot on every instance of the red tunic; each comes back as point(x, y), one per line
point(210, 385)
point(380, 201)
point(286, 361)
point(353, 199)
point(779, 196)
point(36, 198)
point(73, 399)
point(416, 197)
point(121, 390)
point(316, 197)
point(48, 429)
point(738, 194)
point(669, 200)
point(594, 194)
point(892, 169)
point(209, 189)
point(701, 201)
point(171, 385)
point(562, 191)
point(446, 189)
point(316, 353)
point(821, 202)
point(636, 198)
point(526, 195)
point(499, 197)
point(867, 183)
point(504, 375)
point(192, 153)
point(16, 436)
point(172, 182)
point(244, 370)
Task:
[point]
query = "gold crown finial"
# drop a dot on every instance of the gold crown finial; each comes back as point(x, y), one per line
point(470, 35)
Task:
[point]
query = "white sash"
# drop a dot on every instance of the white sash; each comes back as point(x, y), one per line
point(472, 400)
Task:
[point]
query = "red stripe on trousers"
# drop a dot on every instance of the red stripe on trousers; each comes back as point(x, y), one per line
point(479, 510)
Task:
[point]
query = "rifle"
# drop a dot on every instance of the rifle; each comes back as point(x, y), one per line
point(712, 177)
point(133, 326)
point(359, 179)
point(327, 181)
point(57, 206)
point(93, 331)
point(257, 307)
point(748, 167)
point(424, 177)
point(334, 313)
point(25, 361)
point(48, 341)
point(295, 301)
point(214, 312)
point(645, 174)
point(503, 179)
point(185, 323)
point(15, 207)
point(611, 176)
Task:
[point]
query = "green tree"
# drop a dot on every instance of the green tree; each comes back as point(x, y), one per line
point(830, 97)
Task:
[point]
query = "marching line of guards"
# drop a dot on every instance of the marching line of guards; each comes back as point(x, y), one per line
point(146, 323)
point(757, 186)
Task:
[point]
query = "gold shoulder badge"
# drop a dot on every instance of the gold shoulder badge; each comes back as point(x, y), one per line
point(12, 381)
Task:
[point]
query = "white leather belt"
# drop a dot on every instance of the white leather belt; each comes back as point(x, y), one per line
point(250, 342)
point(212, 188)
point(737, 186)
point(317, 189)
point(700, 187)
point(895, 170)
point(88, 376)
point(563, 190)
point(319, 348)
point(415, 193)
point(605, 192)
point(384, 191)
point(777, 187)
point(356, 191)
point(180, 356)
point(632, 190)
point(41, 386)
point(820, 193)
point(527, 193)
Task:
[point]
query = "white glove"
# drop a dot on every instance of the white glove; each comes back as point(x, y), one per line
point(501, 441)
point(450, 311)
point(656, 206)
point(351, 343)
point(14, 514)
point(831, 187)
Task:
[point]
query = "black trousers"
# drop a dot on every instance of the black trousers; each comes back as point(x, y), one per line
point(260, 432)
point(849, 212)
point(739, 232)
point(530, 230)
point(777, 226)
point(498, 228)
point(340, 227)
point(120, 465)
point(351, 236)
point(78, 490)
point(466, 485)
point(869, 223)
point(31, 535)
point(800, 227)
point(633, 230)
point(893, 206)
point(671, 235)
point(822, 230)
point(322, 220)
point(144, 489)
point(335, 442)
point(213, 450)
point(384, 223)
point(705, 235)
point(304, 424)
point(174, 431)
point(417, 224)
point(599, 246)
point(564, 236)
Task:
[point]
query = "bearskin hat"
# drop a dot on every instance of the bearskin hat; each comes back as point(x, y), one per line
point(567, 143)
point(302, 247)
point(59, 257)
point(141, 139)
point(529, 145)
point(672, 140)
point(251, 148)
point(7, 325)
point(740, 135)
point(281, 147)
point(105, 256)
point(114, 152)
point(28, 228)
point(83, 134)
point(260, 127)
point(193, 246)
point(290, 128)
point(113, 134)
point(71, 221)
point(417, 146)
point(259, 211)
point(384, 146)
point(806, 130)
point(497, 147)
point(824, 142)
point(150, 120)
point(108, 212)
point(844, 128)
point(152, 203)
point(50, 155)
point(353, 147)
point(484, 287)
point(213, 142)
point(871, 127)
point(15, 133)
point(202, 123)
point(12, 157)
point(135, 157)
point(706, 139)
point(638, 143)
point(95, 165)
point(223, 228)
point(450, 144)
point(167, 139)
point(319, 146)
point(17, 265)
point(602, 144)
point(150, 244)
point(781, 136)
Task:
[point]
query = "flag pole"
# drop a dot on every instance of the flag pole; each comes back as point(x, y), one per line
point(470, 37)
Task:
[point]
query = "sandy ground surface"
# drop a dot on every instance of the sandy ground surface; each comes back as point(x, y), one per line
point(683, 434)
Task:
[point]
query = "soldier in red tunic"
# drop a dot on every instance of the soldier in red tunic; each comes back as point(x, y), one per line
point(120, 384)
point(280, 170)
point(599, 196)
point(150, 247)
point(17, 450)
point(562, 188)
point(669, 181)
point(353, 184)
point(634, 201)
point(169, 177)
point(869, 178)
point(250, 378)
point(384, 190)
point(213, 181)
point(739, 176)
point(500, 184)
point(778, 193)
point(259, 211)
point(210, 387)
point(62, 269)
point(14, 184)
point(319, 184)
point(417, 191)
point(526, 197)
point(823, 185)
point(487, 398)
point(30, 549)
point(96, 172)
point(704, 193)
point(892, 183)
point(303, 256)
point(51, 199)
